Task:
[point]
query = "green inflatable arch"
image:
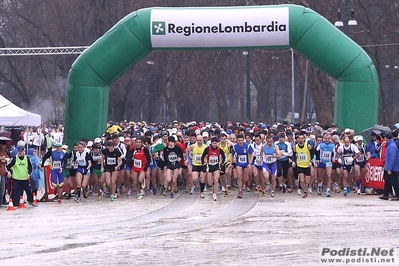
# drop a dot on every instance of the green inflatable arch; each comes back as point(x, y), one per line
point(262, 27)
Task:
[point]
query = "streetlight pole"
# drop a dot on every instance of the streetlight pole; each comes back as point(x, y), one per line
point(346, 21)
point(275, 88)
point(248, 76)
point(292, 87)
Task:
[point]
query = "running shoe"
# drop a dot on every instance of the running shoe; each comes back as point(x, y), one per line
point(256, 191)
point(284, 188)
point(264, 193)
point(358, 192)
point(129, 192)
point(69, 196)
point(187, 189)
point(228, 189)
point(112, 197)
point(192, 191)
point(33, 204)
point(310, 190)
point(225, 193)
point(154, 191)
point(176, 190)
point(328, 193)
point(299, 191)
point(248, 189)
point(85, 194)
point(143, 184)
point(305, 195)
point(205, 188)
point(172, 195)
point(59, 200)
point(164, 193)
point(290, 190)
point(76, 198)
point(202, 196)
point(100, 198)
point(240, 194)
point(140, 196)
point(345, 192)
point(214, 197)
point(272, 194)
point(319, 190)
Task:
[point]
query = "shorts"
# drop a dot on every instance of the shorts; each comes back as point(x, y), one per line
point(171, 166)
point(347, 167)
point(282, 168)
point(259, 167)
point(96, 171)
point(57, 178)
point(213, 168)
point(198, 168)
point(127, 168)
point(83, 170)
point(336, 165)
point(123, 165)
point(67, 173)
point(223, 167)
point(361, 164)
point(305, 171)
point(183, 166)
point(270, 168)
point(72, 171)
point(160, 164)
point(153, 166)
point(109, 169)
point(322, 165)
point(242, 165)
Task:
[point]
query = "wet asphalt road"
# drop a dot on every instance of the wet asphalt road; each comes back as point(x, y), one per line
point(188, 230)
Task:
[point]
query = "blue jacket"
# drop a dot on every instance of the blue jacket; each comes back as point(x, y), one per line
point(373, 151)
point(392, 157)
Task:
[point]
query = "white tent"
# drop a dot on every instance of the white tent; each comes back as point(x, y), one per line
point(12, 115)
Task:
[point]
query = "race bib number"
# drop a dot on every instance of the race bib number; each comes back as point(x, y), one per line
point(269, 159)
point(111, 161)
point(303, 158)
point(81, 162)
point(242, 158)
point(360, 158)
point(326, 155)
point(137, 163)
point(198, 158)
point(172, 158)
point(56, 164)
point(68, 165)
point(213, 160)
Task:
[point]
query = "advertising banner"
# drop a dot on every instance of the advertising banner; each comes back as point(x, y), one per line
point(219, 27)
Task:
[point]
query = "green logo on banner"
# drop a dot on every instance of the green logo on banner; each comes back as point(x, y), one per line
point(158, 28)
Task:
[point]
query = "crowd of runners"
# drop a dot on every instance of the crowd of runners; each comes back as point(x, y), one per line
point(139, 160)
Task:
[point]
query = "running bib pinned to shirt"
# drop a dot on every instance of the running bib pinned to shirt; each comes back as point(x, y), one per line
point(242, 158)
point(111, 161)
point(213, 160)
point(173, 158)
point(137, 163)
point(56, 164)
point(198, 158)
point(303, 157)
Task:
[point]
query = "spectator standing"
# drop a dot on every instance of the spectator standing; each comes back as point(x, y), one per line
point(21, 173)
point(391, 167)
